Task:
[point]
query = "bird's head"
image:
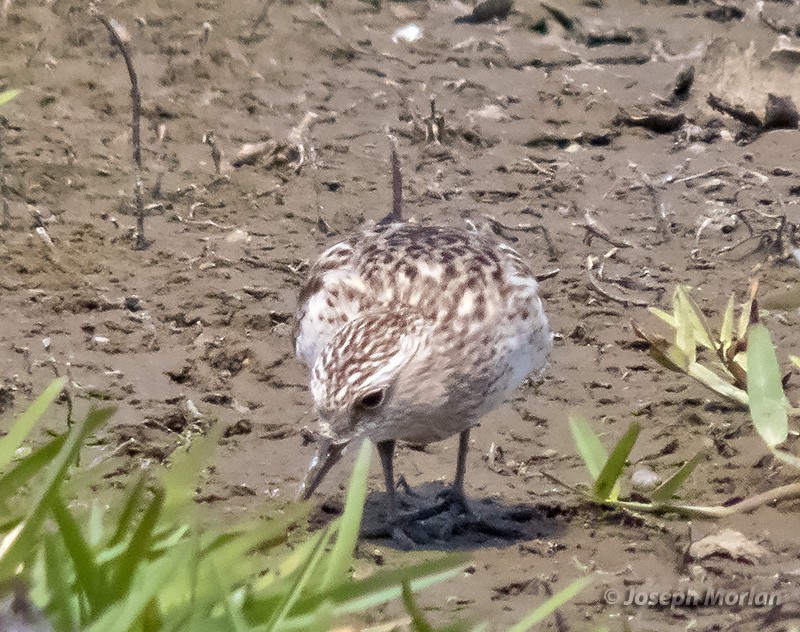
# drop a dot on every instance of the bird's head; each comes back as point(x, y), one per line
point(359, 384)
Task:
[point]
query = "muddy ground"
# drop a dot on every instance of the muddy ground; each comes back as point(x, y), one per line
point(543, 115)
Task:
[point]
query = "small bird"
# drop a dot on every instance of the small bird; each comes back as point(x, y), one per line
point(412, 333)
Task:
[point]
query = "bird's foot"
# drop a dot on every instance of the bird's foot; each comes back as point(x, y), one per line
point(449, 517)
point(402, 483)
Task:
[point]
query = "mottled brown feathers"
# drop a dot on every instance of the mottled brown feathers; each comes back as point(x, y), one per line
point(443, 321)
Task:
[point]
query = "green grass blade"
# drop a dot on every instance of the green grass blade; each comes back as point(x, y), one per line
point(589, 446)
point(26, 421)
point(148, 584)
point(551, 605)
point(384, 585)
point(128, 512)
point(87, 573)
point(606, 483)
point(323, 618)
point(288, 564)
point(685, 337)
point(26, 469)
point(180, 480)
point(7, 95)
point(665, 316)
point(233, 610)
point(664, 492)
point(341, 557)
point(744, 316)
point(63, 609)
point(702, 328)
point(296, 589)
point(787, 457)
point(95, 528)
point(139, 547)
point(368, 602)
point(768, 405)
point(418, 621)
point(15, 545)
point(711, 380)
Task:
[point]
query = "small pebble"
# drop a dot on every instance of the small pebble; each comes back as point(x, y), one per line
point(644, 479)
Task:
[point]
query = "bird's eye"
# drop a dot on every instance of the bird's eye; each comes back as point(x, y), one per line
point(372, 400)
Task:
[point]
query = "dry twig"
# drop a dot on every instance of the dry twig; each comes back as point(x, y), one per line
point(597, 285)
point(6, 221)
point(118, 38)
point(659, 210)
point(434, 125)
point(739, 113)
point(498, 227)
point(593, 227)
point(216, 153)
point(396, 214)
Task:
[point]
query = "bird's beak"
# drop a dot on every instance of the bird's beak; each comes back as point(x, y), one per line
point(328, 453)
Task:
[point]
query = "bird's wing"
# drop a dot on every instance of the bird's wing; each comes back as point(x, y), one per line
point(331, 296)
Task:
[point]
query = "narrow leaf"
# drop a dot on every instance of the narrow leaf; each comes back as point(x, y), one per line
point(551, 605)
point(726, 332)
point(768, 405)
point(26, 469)
point(604, 486)
point(707, 377)
point(87, 573)
point(281, 612)
point(139, 546)
point(702, 328)
point(14, 547)
point(26, 421)
point(664, 492)
point(128, 511)
point(747, 308)
point(63, 608)
point(685, 338)
point(7, 95)
point(418, 621)
point(383, 585)
point(589, 446)
point(149, 582)
point(180, 479)
point(665, 316)
point(369, 601)
point(341, 557)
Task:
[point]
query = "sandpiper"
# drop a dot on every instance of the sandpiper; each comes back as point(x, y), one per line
point(412, 333)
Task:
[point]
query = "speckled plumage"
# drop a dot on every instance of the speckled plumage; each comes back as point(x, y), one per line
point(438, 323)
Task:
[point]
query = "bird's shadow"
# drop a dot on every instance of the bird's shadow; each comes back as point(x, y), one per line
point(493, 524)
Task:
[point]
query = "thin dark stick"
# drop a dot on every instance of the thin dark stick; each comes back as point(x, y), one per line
point(6, 215)
point(740, 114)
point(397, 183)
point(136, 115)
point(396, 215)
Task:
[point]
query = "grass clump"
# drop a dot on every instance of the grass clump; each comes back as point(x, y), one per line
point(143, 562)
point(769, 411)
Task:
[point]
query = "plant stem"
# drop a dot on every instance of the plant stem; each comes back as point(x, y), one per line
point(6, 221)
point(784, 492)
point(136, 114)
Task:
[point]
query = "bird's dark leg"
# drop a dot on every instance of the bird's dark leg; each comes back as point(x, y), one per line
point(386, 452)
point(456, 495)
